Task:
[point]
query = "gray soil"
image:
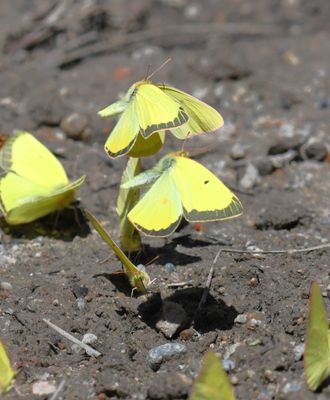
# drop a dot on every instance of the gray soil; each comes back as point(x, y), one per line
point(265, 65)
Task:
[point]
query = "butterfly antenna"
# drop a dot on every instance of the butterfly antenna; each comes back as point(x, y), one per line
point(147, 74)
point(159, 68)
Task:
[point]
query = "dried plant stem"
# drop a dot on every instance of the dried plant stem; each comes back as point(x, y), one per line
point(89, 350)
point(283, 251)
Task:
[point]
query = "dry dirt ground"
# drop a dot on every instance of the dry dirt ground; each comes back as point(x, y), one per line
point(265, 65)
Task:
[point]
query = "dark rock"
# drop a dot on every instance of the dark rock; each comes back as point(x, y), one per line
point(264, 165)
point(314, 151)
point(284, 144)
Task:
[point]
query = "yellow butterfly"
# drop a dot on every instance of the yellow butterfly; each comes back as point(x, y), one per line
point(180, 187)
point(317, 350)
point(212, 382)
point(33, 182)
point(138, 279)
point(149, 109)
point(7, 374)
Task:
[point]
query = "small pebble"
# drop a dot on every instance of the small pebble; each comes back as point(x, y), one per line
point(264, 165)
point(324, 103)
point(237, 152)
point(228, 364)
point(56, 302)
point(89, 338)
point(75, 126)
point(171, 319)
point(298, 351)
point(293, 386)
point(250, 177)
point(6, 286)
point(234, 380)
point(240, 319)
point(169, 268)
point(42, 388)
point(269, 375)
point(250, 373)
point(81, 303)
point(159, 354)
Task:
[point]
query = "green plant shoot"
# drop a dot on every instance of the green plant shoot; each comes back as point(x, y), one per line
point(130, 238)
point(7, 373)
point(138, 279)
point(212, 382)
point(317, 350)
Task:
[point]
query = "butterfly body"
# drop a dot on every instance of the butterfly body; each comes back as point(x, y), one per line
point(150, 109)
point(180, 187)
point(33, 183)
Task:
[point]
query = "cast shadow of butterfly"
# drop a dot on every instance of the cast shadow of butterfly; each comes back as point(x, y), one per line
point(120, 281)
point(215, 314)
point(324, 385)
point(63, 225)
point(164, 254)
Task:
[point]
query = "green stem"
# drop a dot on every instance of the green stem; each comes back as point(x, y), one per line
point(127, 198)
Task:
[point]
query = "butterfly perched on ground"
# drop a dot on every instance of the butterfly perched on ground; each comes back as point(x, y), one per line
point(212, 382)
point(317, 348)
point(33, 183)
point(149, 109)
point(180, 187)
point(7, 373)
point(138, 278)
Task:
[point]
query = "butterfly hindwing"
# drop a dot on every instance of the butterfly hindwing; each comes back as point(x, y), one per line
point(202, 117)
point(204, 197)
point(159, 211)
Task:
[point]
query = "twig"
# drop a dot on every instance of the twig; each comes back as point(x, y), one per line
point(89, 350)
point(178, 284)
point(58, 390)
point(288, 251)
point(173, 32)
point(208, 282)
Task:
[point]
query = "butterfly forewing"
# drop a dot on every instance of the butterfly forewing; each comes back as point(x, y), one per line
point(155, 110)
point(124, 134)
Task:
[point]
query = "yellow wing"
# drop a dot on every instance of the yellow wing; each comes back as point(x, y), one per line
point(204, 197)
point(33, 181)
point(317, 348)
point(31, 207)
point(26, 156)
point(212, 382)
point(159, 211)
point(124, 134)
point(147, 147)
point(7, 374)
point(155, 110)
point(138, 279)
point(202, 117)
